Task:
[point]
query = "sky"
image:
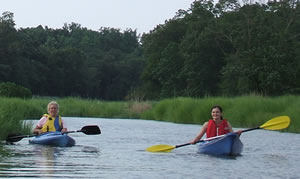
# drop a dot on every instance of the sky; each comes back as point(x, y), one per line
point(140, 15)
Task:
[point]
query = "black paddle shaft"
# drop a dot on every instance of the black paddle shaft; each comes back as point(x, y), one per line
point(251, 129)
point(182, 145)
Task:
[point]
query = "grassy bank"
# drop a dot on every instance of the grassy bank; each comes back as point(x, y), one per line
point(245, 111)
point(14, 110)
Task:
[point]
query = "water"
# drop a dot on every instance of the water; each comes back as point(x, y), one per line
point(119, 152)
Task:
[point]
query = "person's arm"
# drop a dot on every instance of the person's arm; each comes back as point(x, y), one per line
point(39, 125)
point(64, 128)
point(239, 132)
point(229, 127)
point(201, 133)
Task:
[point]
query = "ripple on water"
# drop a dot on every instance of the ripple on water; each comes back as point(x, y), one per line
point(119, 152)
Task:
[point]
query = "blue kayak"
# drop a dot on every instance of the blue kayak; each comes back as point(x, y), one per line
point(53, 138)
point(229, 144)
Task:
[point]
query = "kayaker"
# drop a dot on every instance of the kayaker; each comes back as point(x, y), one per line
point(50, 122)
point(215, 126)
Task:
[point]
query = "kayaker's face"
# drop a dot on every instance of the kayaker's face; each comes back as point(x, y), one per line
point(216, 113)
point(52, 110)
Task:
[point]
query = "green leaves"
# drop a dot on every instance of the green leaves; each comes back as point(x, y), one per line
point(12, 90)
point(226, 49)
point(72, 61)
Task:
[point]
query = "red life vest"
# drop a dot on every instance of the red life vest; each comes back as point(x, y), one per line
point(213, 131)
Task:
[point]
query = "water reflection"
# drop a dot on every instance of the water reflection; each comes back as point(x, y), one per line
point(46, 158)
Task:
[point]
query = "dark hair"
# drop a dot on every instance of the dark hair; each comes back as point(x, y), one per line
point(216, 106)
point(219, 107)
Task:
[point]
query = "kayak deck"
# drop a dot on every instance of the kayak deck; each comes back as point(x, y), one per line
point(229, 144)
point(54, 139)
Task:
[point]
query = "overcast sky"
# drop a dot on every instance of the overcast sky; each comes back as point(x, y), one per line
point(142, 15)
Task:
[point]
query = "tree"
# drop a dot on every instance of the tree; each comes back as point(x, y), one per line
point(264, 61)
point(8, 45)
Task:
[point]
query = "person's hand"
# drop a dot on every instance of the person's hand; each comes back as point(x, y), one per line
point(37, 131)
point(239, 132)
point(64, 130)
point(193, 142)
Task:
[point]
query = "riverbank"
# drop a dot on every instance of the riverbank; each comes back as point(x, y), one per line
point(244, 111)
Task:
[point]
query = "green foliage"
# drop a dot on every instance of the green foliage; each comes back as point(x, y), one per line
point(72, 61)
point(225, 49)
point(264, 61)
point(12, 113)
point(12, 90)
point(244, 111)
point(211, 49)
point(91, 108)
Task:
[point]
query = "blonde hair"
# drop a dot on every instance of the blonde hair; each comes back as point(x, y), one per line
point(53, 103)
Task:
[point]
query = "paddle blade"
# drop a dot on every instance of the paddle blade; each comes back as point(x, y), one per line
point(160, 148)
point(277, 123)
point(90, 130)
point(16, 137)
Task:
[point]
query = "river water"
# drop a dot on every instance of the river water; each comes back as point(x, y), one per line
point(119, 152)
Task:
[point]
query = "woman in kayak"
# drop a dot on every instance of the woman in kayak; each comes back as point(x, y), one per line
point(215, 126)
point(50, 122)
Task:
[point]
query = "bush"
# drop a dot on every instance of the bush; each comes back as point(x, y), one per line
point(9, 89)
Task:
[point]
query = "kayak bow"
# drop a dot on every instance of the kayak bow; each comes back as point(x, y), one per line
point(229, 144)
point(54, 139)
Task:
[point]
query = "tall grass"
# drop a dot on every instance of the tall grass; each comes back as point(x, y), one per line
point(244, 111)
point(13, 111)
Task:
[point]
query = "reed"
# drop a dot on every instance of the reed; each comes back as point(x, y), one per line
point(13, 111)
point(244, 111)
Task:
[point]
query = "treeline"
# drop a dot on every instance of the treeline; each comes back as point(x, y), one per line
point(225, 49)
point(72, 61)
point(208, 50)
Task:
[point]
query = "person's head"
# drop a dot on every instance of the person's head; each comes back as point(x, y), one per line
point(53, 108)
point(216, 112)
